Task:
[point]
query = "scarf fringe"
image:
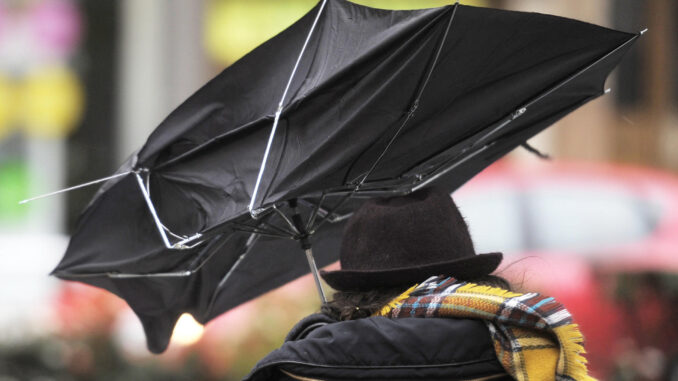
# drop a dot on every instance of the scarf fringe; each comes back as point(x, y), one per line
point(571, 340)
point(487, 290)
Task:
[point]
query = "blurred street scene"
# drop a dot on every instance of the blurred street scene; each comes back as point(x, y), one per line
point(83, 83)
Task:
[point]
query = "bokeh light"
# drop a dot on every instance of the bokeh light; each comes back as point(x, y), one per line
point(57, 26)
point(7, 105)
point(52, 102)
point(187, 331)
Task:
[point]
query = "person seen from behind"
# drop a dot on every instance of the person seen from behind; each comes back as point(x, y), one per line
point(414, 301)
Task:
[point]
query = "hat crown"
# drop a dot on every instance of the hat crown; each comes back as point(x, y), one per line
point(422, 228)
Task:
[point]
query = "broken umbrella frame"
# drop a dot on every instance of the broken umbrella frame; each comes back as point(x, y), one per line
point(291, 225)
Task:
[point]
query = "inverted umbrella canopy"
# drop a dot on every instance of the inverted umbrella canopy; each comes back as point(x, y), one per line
point(380, 102)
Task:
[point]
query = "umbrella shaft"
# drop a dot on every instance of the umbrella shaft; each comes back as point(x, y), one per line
point(314, 271)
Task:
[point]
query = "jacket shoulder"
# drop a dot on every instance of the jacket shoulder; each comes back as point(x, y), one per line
point(380, 348)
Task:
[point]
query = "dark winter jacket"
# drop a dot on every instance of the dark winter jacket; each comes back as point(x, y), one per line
point(379, 348)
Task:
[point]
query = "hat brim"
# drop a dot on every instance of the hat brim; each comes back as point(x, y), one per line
point(364, 280)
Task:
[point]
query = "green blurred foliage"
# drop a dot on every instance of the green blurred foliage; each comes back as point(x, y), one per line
point(14, 183)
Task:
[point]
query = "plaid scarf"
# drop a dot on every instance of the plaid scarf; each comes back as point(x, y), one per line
point(533, 335)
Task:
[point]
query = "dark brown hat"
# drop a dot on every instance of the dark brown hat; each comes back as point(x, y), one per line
point(404, 240)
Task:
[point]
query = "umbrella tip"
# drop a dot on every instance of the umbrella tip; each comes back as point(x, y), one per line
point(643, 31)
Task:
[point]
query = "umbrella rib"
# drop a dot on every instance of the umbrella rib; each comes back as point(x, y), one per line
point(287, 220)
point(230, 272)
point(330, 213)
point(181, 245)
point(83, 185)
point(315, 211)
point(440, 49)
point(176, 274)
point(278, 229)
point(472, 150)
point(194, 268)
point(256, 230)
point(151, 209)
point(451, 167)
point(279, 111)
point(177, 236)
point(250, 243)
point(415, 104)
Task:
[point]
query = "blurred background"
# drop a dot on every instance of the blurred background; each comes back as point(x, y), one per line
point(82, 83)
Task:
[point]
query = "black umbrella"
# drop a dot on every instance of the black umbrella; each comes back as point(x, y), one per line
point(374, 102)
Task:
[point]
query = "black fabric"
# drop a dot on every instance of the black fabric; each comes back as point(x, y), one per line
point(307, 325)
point(378, 348)
point(366, 82)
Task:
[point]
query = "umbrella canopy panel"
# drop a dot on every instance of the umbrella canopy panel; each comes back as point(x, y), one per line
point(382, 102)
point(354, 88)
